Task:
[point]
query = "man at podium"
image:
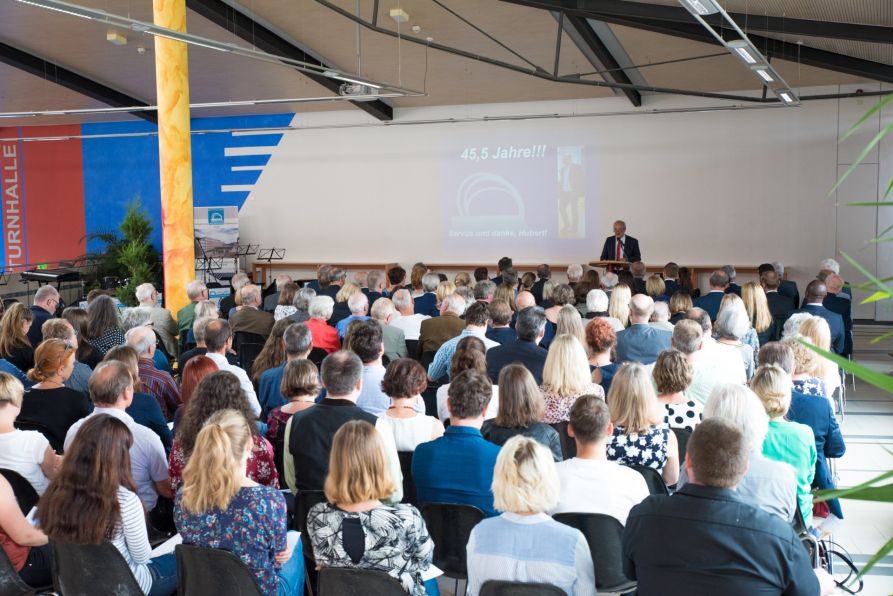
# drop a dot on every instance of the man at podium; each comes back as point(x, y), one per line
point(621, 247)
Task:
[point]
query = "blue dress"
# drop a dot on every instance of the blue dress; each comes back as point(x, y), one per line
point(647, 449)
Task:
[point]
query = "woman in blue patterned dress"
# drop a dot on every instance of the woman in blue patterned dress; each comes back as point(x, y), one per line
point(641, 435)
point(354, 529)
point(220, 507)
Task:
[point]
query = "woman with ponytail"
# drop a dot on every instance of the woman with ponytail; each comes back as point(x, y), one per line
point(93, 498)
point(219, 506)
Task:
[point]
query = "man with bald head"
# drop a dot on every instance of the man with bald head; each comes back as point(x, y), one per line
point(838, 301)
point(640, 342)
point(524, 299)
point(816, 292)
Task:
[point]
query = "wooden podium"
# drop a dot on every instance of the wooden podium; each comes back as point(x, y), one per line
point(610, 265)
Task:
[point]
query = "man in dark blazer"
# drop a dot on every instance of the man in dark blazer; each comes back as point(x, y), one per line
point(621, 247)
point(671, 272)
point(710, 301)
point(530, 327)
point(543, 273)
point(640, 342)
point(250, 318)
point(501, 265)
point(732, 288)
point(786, 287)
point(838, 302)
point(779, 306)
point(816, 292)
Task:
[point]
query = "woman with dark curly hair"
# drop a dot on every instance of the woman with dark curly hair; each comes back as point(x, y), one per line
point(220, 391)
point(404, 381)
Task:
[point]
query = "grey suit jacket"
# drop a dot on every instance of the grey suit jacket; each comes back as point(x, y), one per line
point(642, 343)
point(165, 328)
point(394, 341)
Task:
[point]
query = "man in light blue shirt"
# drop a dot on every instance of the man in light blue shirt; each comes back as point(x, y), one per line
point(477, 317)
point(358, 304)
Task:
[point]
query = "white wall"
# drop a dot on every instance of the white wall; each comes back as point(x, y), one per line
point(740, 187)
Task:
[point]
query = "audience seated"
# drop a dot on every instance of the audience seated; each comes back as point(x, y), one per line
point(354, 528)
point(543, 273)
point(49, 403)
point(780, 305)
point(640, 342)
point(680, 304)
point(416, 274)
point(93, 498)
point(731, 326)
point(227, 303)
point(103, 326)
point(719, 282)
point(570, 322)
point(26, 547)
point(706, 539)
point(196, 291)
point(198, 330)
point(299, 385)
point(365, 340)
point(484, 291)
point(163, 323)
point(62, 329)
point(43, 308)
point(786, 287)
point(656, 288)
point(301, 303)
point(501, 314)
point(521, 411)
point(324, 336)
point(140, 316)
point(155, 382)
point(660, 317)
point(15, 346)
point(26, 452)
point(309, 432)
point(396, 279)
point(272, 355)
point(470, 354)
point(750, 338)
point(426, 303)
point(384, 313)
point(249, 317)
point(806, 371)
point(686, 284)
point(816, 292)
point(219, 391)
point(673, 375)
point(296, 342)
point(600, 341)
point(597, 307)
point(406, 318)
point(562, 294)
point(404, 382)
point(329, 281)
point(727, 363)
point(436, 330)
point(761, 319)
point(358, 304)
point(840, 302)
point(619, 303)
point(476, 319)
point(530, 328)
point(219, 340)
point(566, 377)
point(285, 301)
point(641, 435)
point(249, 520)
point(789, 442)
point(590, 482)
point(458, 467)
point(524, 543)
point(816, 331)
point(574, 274)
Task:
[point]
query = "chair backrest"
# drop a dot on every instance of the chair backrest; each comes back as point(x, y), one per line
point(25, 494)
point(316, 356)
point(568, 445)
point(427, 358)
point(212, 571)
point(89, 569)
point(605, 537)
point(243, 337)
point(10, 582)
point(502, 588)
point(682, 437)
point(655, 482)
point(412, 348)
point(304, 501)
point(342, 581)
point(248, 353)
point(450, 525)
point(408, 483)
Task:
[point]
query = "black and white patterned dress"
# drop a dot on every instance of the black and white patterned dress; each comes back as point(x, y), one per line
point(396, 541)
point(647, 449)
point(686, 416)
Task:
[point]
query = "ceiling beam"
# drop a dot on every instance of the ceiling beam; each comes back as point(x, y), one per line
point(55, 73)
point(693, 31)
point(244, 27)
point(598, 54)
point(749, 22)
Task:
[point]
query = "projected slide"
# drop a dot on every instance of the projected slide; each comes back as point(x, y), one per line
point(509, 196)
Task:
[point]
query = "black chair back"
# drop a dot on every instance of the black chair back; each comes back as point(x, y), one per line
point(408, 483)
point(304, 501)
point(10, 582)
point(682, 437)
point(248, 353)
point(655, 482)
point(341, 581)
point(450, 526)
point(212, 571)
point(568, 445)
point(244, 337)
point(605, 537)
point(89, 569)
point(25, 494)
point(502, 588)
point(427, 358)
point(316, 356)
point(57, 443)
point(412, 348)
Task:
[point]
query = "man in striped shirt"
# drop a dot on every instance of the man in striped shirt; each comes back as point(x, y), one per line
point(155, 382)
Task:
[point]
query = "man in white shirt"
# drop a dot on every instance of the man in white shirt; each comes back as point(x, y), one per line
point(219, 339)
point(711, 366)
point(590, 483)
point(406, 319)
point(111, 389)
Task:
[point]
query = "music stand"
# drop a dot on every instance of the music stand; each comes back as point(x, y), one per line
point(269, 255)
point(243, 251)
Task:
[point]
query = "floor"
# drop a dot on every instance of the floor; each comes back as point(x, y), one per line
point(868, 431)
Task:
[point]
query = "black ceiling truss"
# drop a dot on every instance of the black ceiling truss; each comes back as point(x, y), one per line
point(55, 73)
point(262, 38)
point(677, 22)
point(598, 54)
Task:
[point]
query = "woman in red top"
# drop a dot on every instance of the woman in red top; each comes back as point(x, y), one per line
point(25, 546)
point(324, 336)
point(220, 391)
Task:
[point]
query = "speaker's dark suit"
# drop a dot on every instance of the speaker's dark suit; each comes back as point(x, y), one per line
point(631, 249)
point(710, 302)
point(842, 305)
point(835, 322)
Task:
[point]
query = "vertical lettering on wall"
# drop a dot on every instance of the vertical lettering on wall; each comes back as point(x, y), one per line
point(13, 218)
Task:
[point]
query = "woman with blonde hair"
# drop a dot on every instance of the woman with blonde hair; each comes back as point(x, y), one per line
point(788, 442)
point(249, 519)
point(50, 403)
point(757, 306)
point(570, 323)
point(618, 303)
point(656, 288)
point(355, 529)
point(566, 377)
point(26, 452)
point(817, 331)
point(341, 309)
point(525, 486)
point(462, 280)
point(806, 378)
point(416, 274)
point(444, 289)
point(521, 411)
point(680, 304)
point(506, 294)
point(641, 435)
point(14, 343)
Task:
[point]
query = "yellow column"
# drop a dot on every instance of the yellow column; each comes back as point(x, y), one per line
point(175, 153)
